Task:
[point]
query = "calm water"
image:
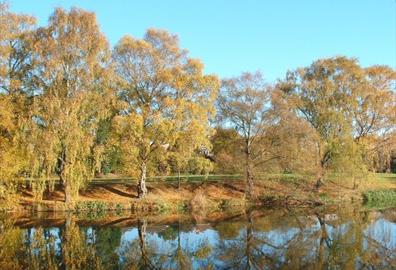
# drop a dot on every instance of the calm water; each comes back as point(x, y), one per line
point(335, 238)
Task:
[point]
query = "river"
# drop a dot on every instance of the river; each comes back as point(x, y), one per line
point(335, 237)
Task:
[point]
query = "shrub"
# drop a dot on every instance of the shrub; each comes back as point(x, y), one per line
point(383, 196)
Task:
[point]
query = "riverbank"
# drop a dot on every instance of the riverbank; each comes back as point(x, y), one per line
point(124, 219)
point(207, 196)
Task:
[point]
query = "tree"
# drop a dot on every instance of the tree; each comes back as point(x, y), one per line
point(16, 65)
point(71, 86)
point(226, 150)
point(321, 94)
point(343, 103)
point(296, 151)
point(374, 117)
point(244, 104)
point(167, 100)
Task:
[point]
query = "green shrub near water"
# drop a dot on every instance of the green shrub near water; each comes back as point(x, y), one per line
point(383, 196)
point(98, 206)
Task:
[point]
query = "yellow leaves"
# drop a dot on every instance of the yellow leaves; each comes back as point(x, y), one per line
point(344, 103)
point(194, 66)
point(12, 158)
point(168, 98)
point(74, 97)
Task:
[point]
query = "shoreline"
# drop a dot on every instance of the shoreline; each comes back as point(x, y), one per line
point(127, 218)
point(196, 197)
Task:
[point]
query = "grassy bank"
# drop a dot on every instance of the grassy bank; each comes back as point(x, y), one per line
point(208, 196)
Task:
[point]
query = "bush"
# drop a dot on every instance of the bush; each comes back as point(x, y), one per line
point(383, 196)
point(91, 206)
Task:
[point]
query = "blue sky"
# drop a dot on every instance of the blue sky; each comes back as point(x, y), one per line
point(233, 36)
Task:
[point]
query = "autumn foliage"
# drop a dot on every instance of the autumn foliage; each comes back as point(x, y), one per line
point(72, 107)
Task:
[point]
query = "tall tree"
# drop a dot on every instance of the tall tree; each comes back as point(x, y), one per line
point(343, 103)
point(71, 86)
point(16, 65)
point(374, 116)
point(321, 94)
point(297, 148)
point(244, 104)
point(167, 100)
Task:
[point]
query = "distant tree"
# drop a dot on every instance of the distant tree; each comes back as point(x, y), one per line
point(166, 101)
point(379, 152)
point(343, 103)
point(226, 150)
point(321, 95)
point(71, 86)
point(296, 147)
point(244, 104)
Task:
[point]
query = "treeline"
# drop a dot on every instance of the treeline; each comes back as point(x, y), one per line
point(72, 107)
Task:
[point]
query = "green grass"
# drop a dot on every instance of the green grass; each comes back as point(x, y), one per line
point(377, 180)
point(385, 177)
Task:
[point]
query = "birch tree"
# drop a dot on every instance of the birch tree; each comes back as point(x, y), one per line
point(167, 99)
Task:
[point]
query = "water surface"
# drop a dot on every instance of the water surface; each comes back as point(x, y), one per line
point(333, 238)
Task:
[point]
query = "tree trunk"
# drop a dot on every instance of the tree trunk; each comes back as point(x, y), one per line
point(356, 182)
point(68, 193)
point(67, 189)
point(178, 180)
point(319, 178)
point(61, 166)
point(389, 163)
point(142, 190)
point(321, 164)
point(64, 182)
point(249, 177)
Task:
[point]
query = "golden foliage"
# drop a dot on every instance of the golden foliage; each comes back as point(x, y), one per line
point(72, 80)
point(167, 100)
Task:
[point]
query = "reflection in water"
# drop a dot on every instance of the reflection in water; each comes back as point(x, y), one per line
point(265, 239)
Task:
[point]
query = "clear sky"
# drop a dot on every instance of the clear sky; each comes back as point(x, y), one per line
point(232, 36)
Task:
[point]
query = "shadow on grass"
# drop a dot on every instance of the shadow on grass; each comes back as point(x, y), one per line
point(117, 191)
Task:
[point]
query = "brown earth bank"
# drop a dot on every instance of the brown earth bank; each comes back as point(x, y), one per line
point(197, 197)
point(128, 219)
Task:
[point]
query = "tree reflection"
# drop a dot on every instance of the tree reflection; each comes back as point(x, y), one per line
point(244, 251)
point(77, 251)
point(332, 242)
point(107, 241)
point(11, 240)
point(276, 239)
point(138, 254)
